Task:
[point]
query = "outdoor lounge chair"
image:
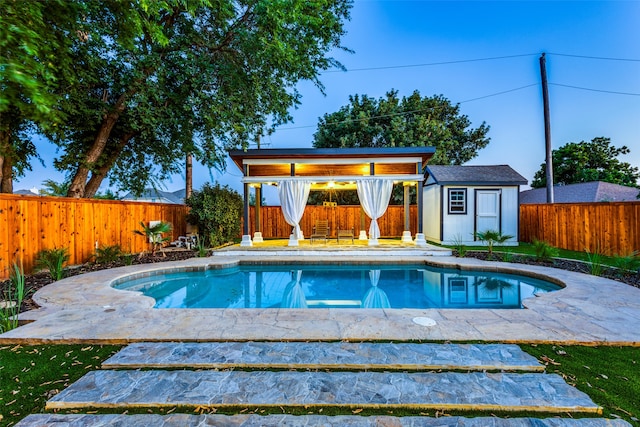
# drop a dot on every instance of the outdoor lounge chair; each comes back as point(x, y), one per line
point(345, 234)
point(320, 230)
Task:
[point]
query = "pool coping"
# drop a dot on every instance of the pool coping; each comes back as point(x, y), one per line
point(590, 310)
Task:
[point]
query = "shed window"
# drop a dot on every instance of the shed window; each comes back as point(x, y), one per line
point(458, 201)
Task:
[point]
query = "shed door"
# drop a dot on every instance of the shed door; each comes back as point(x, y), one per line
point(487, 210)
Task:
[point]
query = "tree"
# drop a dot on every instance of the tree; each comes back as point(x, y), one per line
point(583, 161)
point(412, 121)
point(34, 40)
point(160, 80)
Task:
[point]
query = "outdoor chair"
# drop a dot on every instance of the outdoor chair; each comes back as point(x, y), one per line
point(320, 230)
point(345, 234)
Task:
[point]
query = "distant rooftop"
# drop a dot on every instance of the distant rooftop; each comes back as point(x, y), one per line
point(475, 175)
point(594, 191)
point(158, 196)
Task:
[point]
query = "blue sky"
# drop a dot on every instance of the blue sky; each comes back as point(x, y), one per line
point(400, 34)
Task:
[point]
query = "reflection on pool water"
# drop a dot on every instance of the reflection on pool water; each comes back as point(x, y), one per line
point(337, 286)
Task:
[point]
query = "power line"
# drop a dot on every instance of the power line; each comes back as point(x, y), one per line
point(596, 90)
point(429, 64)
point(406, 112)
point(595, 57)
point(499, 93)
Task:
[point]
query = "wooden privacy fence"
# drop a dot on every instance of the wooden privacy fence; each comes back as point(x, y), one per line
point(607, 227)
point(29, 224)
point(391, 223)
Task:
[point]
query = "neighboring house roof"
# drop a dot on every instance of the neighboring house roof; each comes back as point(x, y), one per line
point(594, 191)
point(32, 192)
point(473, 175)
point(158, 196)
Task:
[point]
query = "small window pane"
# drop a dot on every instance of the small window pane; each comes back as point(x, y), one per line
point(457, 201)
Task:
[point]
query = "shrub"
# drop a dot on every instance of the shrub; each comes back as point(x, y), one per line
point(461, 249)
point(595, 262)
point(629, 263)
point(217, 211)
point(108, 254)
point(544, 251)
point(52, 260)
point(154, 234)
point(491, 238)
point(12, 298)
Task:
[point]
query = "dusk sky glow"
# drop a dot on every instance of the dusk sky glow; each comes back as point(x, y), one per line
point(421, 45)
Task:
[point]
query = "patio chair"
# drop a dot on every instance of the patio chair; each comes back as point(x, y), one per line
point(320, 230)
point(345, 234)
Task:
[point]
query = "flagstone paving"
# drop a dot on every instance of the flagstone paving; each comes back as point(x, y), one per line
point(316, 355)
point(589, 310)
point(290, 389)
point(184, 420)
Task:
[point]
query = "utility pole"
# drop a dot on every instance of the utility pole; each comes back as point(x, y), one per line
point(547, 129)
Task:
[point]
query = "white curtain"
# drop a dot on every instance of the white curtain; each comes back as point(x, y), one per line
point(374, 195)
point(375, 297)
point(293, 199)
point(294, 294)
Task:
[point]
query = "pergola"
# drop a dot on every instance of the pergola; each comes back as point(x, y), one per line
point(371, 171)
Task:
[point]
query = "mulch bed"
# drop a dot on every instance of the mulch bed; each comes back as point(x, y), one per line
point(38, 280)
point(41, 279)
point(632, 279)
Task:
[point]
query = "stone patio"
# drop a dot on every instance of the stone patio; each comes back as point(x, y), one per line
point(589, 310)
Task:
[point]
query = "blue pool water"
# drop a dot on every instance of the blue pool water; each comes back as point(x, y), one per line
point(334, 286)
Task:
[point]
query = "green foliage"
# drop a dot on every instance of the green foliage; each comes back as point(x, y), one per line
point(30, 375)
point(201, 246)
point(217, 211)
point(34, 56)
point(492, 238)
point(12, 297)
point(629, 263)
point(609, 375)
point(108, 254)
point(595, 262)
point(589, 161)
point(412, 121)
point(53, 188)
point(53, 260)
point(154, 234)
point(461, 249)
point(127, 259)
point(162, 79)
point(544, 251)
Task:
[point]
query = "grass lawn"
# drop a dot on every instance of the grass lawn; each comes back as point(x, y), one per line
point(29, 375)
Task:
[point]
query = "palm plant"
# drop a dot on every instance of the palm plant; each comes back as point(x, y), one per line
point(491, 238)
point(154, 234)
point(53, 260)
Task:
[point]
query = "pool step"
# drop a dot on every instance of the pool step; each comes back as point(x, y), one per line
point(325, 355)
point(544, 393)
point(185, 420)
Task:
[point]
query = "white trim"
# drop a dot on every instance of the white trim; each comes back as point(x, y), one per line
point(325, 178)
point(332, 161)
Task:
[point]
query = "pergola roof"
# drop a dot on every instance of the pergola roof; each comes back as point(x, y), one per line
point(331, 163)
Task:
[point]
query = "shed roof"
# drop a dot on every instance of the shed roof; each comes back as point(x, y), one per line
point(594, 191)
point(475, 175)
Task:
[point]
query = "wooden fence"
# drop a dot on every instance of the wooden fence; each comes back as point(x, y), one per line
point(608, 227)
point(29, 224)
point(391, 223)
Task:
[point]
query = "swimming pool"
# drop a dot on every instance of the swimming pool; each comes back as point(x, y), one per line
point(337, 286)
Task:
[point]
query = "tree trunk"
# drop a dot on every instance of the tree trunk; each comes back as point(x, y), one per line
point(6, 163)
point(99, 174)
point(77, 187)
point(189, 176)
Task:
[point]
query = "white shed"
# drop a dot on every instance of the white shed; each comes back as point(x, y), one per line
point(460, 201)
